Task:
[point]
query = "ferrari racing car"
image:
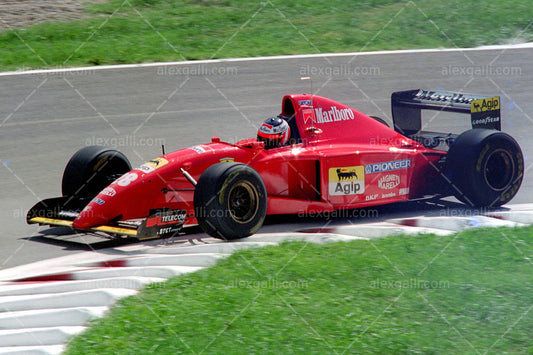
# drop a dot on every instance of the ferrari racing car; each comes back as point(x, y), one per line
point(317, 156)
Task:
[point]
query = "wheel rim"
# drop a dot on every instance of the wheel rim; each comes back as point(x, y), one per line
point(243, 202)
point(499, 170)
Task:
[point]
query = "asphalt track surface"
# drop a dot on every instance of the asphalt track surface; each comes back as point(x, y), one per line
point(46, 117)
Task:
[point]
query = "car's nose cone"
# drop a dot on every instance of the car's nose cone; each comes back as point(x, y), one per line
point(94, 214)
point(128, 197)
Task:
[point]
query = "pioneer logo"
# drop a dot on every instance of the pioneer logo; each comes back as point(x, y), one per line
point(388, 166)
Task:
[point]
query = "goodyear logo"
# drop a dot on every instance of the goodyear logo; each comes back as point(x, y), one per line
point(153, 164)
point(348, 180)
point(482, 105)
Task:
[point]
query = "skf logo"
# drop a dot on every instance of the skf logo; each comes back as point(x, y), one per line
point(348, 180)
point(483, 105)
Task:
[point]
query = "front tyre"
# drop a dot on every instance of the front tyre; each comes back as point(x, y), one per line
point(230, 201)
point(486, 167)
point(91, 169)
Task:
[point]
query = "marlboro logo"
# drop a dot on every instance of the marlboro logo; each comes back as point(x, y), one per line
point(333, 115)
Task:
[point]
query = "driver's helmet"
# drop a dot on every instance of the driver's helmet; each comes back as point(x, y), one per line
point(274, 132)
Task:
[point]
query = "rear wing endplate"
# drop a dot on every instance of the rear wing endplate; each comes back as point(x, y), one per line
point(407, 106)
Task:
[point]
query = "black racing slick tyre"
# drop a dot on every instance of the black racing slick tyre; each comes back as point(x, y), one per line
point(380, 120)
point(230, 201)
point(485, 167)
point(91, 169)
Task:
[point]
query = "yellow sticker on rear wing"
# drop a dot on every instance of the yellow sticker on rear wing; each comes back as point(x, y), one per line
point(485, 113)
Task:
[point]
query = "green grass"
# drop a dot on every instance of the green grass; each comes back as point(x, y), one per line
point(137, 31)
point(464, 294)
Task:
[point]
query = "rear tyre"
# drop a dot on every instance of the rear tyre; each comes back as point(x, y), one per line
point(230, 201)
point(380, 120)
point(91, 169)
point(485, 167)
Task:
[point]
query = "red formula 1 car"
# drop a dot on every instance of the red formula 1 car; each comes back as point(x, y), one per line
point(336, 158)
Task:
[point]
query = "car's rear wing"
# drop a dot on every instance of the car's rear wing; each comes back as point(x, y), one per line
point(407, 106)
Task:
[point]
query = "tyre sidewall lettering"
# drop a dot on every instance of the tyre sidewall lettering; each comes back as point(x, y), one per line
point(510, 192)
point(482, 154)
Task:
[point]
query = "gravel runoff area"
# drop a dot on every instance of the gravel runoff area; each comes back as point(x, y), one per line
point(20, 13)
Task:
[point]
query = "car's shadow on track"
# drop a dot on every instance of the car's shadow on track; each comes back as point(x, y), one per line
point(69, 239)
point(427, 208)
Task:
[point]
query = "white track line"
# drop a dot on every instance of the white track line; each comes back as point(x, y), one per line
point(281, 57)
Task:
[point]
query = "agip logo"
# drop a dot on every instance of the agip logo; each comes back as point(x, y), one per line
point(348, 180)
point(488, 104)
point(485, 113)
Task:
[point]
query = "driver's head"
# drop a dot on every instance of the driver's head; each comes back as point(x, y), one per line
point(274, 132)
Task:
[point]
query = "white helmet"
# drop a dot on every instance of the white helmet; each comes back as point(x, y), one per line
point(274, 132)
